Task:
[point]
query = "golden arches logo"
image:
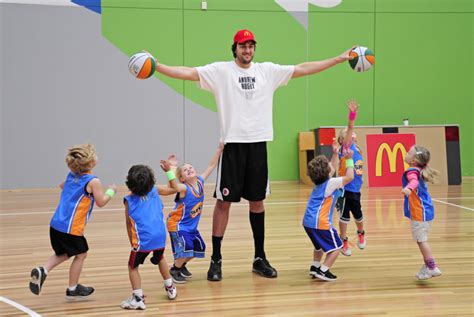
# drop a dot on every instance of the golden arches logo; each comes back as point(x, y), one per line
point(392, 157)
point(246, 33)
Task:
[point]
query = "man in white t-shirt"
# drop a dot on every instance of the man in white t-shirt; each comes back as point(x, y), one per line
point(244, 96)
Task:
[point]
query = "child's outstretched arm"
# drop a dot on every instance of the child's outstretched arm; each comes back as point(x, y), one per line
point(353, 107)
point(213, 163)
point(335, 158)
point(173, 187)
point(349, 168)
point(101, 198)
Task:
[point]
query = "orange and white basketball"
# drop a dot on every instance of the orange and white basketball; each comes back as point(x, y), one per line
point(142, 65)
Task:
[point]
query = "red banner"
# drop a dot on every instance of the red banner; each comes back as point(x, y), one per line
point(386, 158)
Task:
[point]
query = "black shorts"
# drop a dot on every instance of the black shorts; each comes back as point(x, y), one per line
point(65, 243)
point(242, 172)
point(349, 203)
point(137, 257)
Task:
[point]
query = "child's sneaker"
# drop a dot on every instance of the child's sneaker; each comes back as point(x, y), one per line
point(38, 276)
point(134, 302)
point(313, 271)
point(79, 293)
point(171, 291)
point(424, 273)
point(346, 249)
point(435, 272)
point(326, 276)
point(176, 275)
point(185, 273)
point(361, 239)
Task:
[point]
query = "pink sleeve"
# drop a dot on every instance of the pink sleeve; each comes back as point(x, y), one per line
point(412, 177)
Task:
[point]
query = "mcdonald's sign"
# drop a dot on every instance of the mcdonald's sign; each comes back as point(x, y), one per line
point(385, 158)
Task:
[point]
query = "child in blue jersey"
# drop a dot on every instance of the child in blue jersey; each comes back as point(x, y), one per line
point(183, 221)
point(349, 202)
point(146, 228)
point(317, 219)
point(79, 192)
point(418, 205)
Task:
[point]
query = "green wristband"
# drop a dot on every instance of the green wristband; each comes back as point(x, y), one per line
point(110, 192)
point(170, 175)
point(349, 163)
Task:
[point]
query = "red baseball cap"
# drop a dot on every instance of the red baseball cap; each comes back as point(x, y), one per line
point(243, 36)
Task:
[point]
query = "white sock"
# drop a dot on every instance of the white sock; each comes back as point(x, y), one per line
point(45, 270)
point(324, 268)
point(168, 282)
point(138, 292)
point(317, 264)
point(72, 288)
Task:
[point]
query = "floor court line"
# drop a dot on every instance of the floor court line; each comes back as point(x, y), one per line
point(244, 205)
point(446, 203)
point(19, 306)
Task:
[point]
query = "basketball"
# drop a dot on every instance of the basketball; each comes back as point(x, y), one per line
point(363, 59)
point(142, 65)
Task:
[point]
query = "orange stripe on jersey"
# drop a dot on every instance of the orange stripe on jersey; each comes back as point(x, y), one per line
point(323, 220)
point(80, 216)
point(416, 208)
point(134, 233)
point(342, 167)
point(174, 218)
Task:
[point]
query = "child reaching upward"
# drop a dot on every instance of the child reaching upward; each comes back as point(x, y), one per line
point(146, 228)
point(349, 202)
point(183, 221)
point(418, 205)
point(80, 191)
point(317, 220)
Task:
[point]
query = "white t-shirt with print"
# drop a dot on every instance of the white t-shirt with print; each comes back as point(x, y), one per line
point(244, 97)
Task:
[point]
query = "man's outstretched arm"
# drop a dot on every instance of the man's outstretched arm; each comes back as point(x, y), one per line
point(310, 68)
point(178, 72)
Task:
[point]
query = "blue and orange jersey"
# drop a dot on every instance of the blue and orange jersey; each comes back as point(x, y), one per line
point(418, 206)
point(75, 205)
point(356, 184)
point(147, 221)
point(187, 211)
point(319, 210)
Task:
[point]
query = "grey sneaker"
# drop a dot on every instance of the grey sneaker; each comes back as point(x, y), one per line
point(185, 273)
point(79, 293)
point(176, 275)
point(38, 276)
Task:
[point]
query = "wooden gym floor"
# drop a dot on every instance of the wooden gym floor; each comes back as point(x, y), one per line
point(377, 281)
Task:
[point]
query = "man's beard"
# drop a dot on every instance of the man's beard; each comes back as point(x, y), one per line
point(242, 60)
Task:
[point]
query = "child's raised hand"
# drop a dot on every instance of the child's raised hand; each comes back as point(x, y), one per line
point(173, 160)
point(406, 191)
point(348, 154)
point(165, 165)
point(352, 105)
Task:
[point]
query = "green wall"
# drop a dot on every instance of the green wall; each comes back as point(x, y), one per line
point(423, 48)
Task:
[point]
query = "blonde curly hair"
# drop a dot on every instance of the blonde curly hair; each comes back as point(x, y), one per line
point(80, 158)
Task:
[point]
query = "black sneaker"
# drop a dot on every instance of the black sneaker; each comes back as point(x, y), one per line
point(313, 271)
point(176, 275)
point(263, 267)
point(185, 273)
point(37, 279)
point(215, 271)
point(79, 293)
point(327, 276)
